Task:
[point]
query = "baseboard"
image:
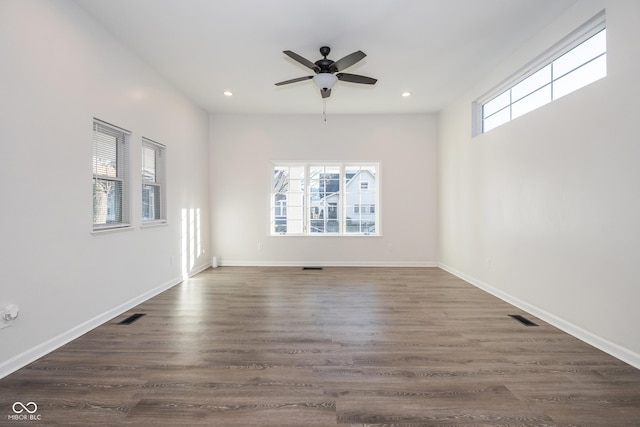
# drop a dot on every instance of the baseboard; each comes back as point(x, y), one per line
point(199, 269)
point(21, 360)
point(601, 343)
point(260, 263)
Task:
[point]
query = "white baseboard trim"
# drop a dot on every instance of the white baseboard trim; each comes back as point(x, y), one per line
point(259, 263)
point(21, 360)
point(199, 269)
point(590, 338)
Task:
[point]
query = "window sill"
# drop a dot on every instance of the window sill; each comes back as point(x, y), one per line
point(152, 224)
point(327, 235)
point(107, 230)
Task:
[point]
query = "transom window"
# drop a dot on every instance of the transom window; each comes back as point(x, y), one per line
point(579, 60)
point(324, 199)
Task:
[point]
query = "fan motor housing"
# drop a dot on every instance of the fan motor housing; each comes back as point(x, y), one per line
point(324, 63)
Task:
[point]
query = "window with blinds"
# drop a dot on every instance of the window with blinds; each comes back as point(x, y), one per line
point(153, 181)
point(110, 178)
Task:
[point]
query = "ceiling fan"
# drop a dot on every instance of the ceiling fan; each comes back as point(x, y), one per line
point(328, 72)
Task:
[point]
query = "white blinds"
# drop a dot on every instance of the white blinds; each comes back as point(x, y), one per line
point(110, 176)
point(153, 181)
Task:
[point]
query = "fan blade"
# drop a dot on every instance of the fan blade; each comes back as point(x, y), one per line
point(325, 93)
point(348, 61)
point(355, 78)
point(301, 60)
point(299, 79)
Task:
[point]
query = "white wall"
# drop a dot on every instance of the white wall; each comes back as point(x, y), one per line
point(243, 147)
point(59, 71)
point(544, 211)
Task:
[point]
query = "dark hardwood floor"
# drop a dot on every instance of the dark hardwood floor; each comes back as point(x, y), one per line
point(342, 346)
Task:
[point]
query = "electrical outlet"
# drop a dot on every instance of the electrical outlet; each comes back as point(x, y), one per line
point(11, 312)
point(7, 315)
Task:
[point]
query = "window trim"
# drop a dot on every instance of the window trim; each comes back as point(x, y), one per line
point(341, 206)
point(578, 36)
point(123, 174)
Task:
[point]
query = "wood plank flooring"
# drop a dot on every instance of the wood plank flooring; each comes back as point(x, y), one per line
point(272, 347)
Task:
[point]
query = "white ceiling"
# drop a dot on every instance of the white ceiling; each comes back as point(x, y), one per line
point(436, 49)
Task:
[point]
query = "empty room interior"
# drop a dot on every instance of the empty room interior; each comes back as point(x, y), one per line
point(356, 213)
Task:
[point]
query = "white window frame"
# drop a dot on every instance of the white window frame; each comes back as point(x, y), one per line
point(122, 177)
point(158, 182)
point(341, 205)
point(589, 29)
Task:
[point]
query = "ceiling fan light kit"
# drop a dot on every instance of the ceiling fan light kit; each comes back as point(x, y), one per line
point(325, 80)
point(328, 72)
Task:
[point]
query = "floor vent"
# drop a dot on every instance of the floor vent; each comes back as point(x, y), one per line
point(312, 268)
point(522, 320)
point(129, 320)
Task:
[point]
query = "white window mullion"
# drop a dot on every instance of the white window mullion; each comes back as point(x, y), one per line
point(342, 211)
point(307, 200)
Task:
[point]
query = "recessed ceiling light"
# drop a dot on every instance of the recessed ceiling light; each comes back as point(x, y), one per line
point(228, 93)
point(406, 93)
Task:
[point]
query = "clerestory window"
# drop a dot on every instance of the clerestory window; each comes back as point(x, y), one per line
point(577, 61)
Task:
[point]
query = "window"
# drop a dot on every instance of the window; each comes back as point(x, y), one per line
point(324, 199)
point(110, 176)
point(153, 177)
point(288, 194)
point(573, 63)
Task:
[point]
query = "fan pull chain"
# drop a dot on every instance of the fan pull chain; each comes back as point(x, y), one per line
point(324, 109)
